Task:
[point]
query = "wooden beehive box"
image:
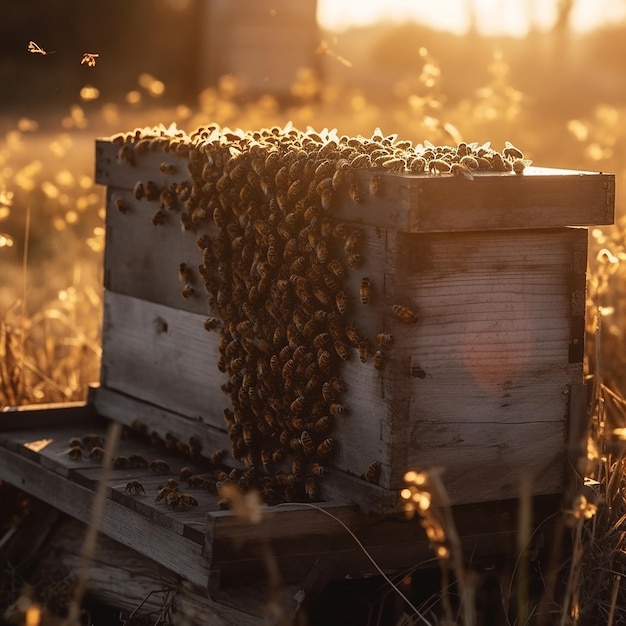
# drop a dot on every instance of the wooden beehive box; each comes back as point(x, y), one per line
point(485, 384)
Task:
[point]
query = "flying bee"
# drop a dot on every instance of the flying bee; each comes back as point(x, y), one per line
point(35, 49)
point(364, 290)
point(159, 218)
point(372, 473)
point(379, 360)
point(404, 314)
point(135, 488)
point(159, 466)
point(75, 453)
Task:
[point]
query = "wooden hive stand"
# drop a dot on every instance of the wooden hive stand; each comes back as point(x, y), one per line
point(486, 384)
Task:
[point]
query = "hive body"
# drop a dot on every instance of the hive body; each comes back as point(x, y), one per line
point(465, 309)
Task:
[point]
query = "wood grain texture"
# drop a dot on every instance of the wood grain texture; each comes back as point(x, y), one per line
point(163, 356)
point(540, 198)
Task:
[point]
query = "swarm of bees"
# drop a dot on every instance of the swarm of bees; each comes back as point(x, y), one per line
point(274, 273)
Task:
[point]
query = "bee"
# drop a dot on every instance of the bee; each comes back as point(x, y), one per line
point(324, 360)
point(187, 291)
point(183, 448)
point(372, 473)
point(35, 49)
point(139, 190)
point(519, 165)
point(89, 58)
point(126, 155)
point(338, 384)
point(328, 393)
point(337, 409)
point(342, 350)
point(159, 466)
point(185, 499)
point(363, 351)
point(336, 268)
point(217, 457)
point(223, 504)
point(353, 242)
point(159, 218)
point(384, 340)
point(185, 274)
point(311, 489)
point(404, 314)
point(364, 290)
point(298, 405)
point(511, 152)
point(354, 260)
point(184, 473)
point(75, 453)
point(211, 323)
point(438, 166)
point(375, 185)
point(317, 469)
point(136, 460)
point(151, 191)
point(325, 448)
point(121, 462)
point(458, 169)
point(185, 222)
point(96, 453)
point(75, 442)
point(194, 447)
point(307, 443)
point(379, 360)
point(120, 205)
point(93, 441)
point(172, 500)
point(167, 168)
point(196, 482)
point(248, 433)
point(342, 302)
point(135, 488)
point(323, 424)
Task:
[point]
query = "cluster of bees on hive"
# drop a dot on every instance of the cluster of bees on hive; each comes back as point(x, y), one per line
point(275, 273)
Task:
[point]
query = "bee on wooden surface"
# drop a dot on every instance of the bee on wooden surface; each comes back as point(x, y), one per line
point(120, 205)
point(324, 360)
point(96, 453)
point(212, 323)
point(364, 290)
point(342, 302)
point(121, 462)
point(458, 169)
point(167, 168)
point(217, 457)
point(185, 499)
point(323, 424)
point(404, 314)
point(183, 448)
point(438, 166)
point(325, 448)
point(139, 190)
point(336, 268)
point(223, 504)
point(196, 482)
point(384, 340)
point(519, 165)
point(379, 360)
point(194, 447)
point(75, 442)
point(187, 291)
point(152, 191)
point(355, 260)
point(135, 488)
point(338, 384)
point(159, 466)
point(137, 461)
point(328, 393)
point(163, 493)
point(372, 473)
point(353, 242)
point(311, 489)
point(318, 469)
point(172, 500)
point(342, 350)
point(75, 453)
point(363, 351)
point(159, 217)
point(307, 443)
point(93, 441)
point(126, 155)
point(337, 409)
point(185, 275)
point(375, 185)
point(511, 152)
point(184, 473)
point(186, 224)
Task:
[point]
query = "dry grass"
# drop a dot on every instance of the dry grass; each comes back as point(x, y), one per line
point(50, 297)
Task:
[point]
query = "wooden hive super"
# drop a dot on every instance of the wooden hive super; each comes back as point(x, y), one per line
point(484, 382)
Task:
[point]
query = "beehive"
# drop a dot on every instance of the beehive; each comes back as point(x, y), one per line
point(477, 279)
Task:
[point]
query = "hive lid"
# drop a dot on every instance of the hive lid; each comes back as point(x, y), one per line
point(538, 198)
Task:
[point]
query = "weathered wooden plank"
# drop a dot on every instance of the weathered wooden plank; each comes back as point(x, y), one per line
point(163, 356)
point(173, 551)
point(127, 408)
point(540, 198)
